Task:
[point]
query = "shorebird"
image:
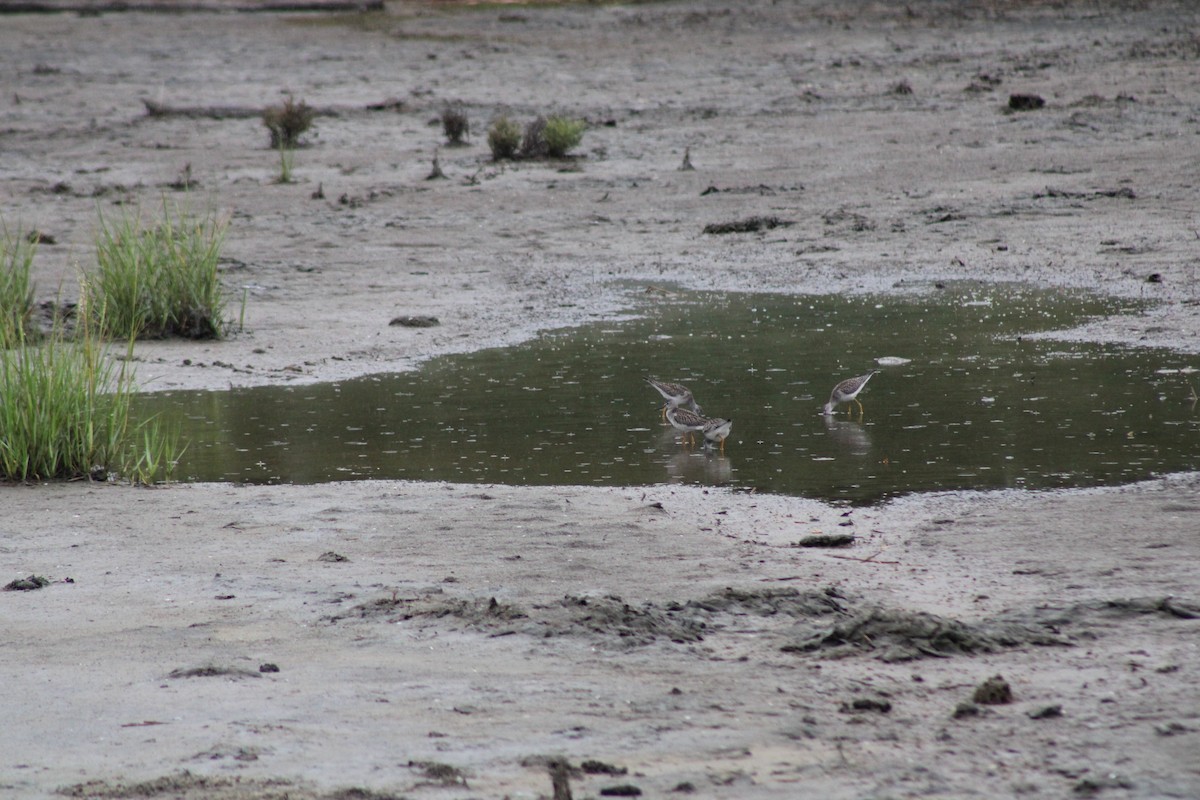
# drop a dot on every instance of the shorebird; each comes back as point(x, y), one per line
point(675, 394)
point(687, 422)
point(717, 430)
point(848, 390)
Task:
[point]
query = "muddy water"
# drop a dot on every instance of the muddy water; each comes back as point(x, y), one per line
point(964, 399)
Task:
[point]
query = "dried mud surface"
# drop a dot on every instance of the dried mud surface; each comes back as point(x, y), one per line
point(386, 639)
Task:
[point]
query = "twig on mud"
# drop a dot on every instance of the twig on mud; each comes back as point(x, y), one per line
point(155, 109)
point(197, 6)
point(869, 559)
point(560, 782)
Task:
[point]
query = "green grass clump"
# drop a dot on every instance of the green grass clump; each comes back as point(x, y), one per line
point(65, 413)
point(504, 137)
point(286, 122)
point(16, 287)
point(157, 280)
point(563, 134)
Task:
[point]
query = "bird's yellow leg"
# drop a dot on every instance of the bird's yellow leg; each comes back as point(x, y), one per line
point(860, 408)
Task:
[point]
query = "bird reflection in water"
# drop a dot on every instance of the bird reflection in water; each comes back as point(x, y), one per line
point(848, 436)
point(706, 466)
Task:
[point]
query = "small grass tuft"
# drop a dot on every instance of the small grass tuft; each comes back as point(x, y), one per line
point(286, 122)
point(563, 134)
point(455, 124)
point(157, 280)
point(504, 137)
point(152, 453)
point(16, 287)
point(285, 163)
point(65, 414)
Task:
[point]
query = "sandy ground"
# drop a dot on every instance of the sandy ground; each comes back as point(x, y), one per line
point(448, 641)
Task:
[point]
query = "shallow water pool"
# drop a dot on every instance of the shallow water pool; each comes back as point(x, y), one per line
point(977, 405)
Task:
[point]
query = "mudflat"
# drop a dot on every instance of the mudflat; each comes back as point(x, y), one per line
point(379, 639)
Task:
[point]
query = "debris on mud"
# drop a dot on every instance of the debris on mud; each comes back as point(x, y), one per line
point(211, 671)
point(995, 691)
point(1091, 786)
point(1122, 192)
point(888, 634)
point(866, 704)
point(26, 584)
point(1046, 712)
point(436, 173)
point(594, 767)
point(186, 786)
point(608, 617)
point(747, 225)
point(848, 220)
point(983, 82)
point(38, 237)
point(155, 109)
point(965, 710)
point(905, 636)
point(769, 602)
point(1123, 608)
point(435, 606)
point(636, 625)
point(825, 540)
point(439, 774)
point(1173, 729)
point(414, 321)
point(761, 189)
point(1025, 102)
point(939, 214)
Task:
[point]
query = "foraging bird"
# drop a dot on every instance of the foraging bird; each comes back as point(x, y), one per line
point(687, 422)
point(675, 394)
point(717, 430)
point(848, 390)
